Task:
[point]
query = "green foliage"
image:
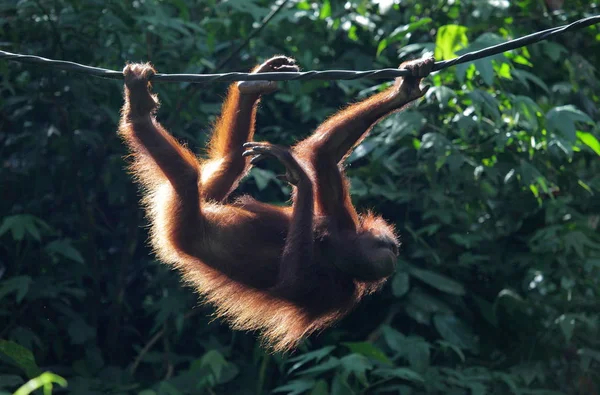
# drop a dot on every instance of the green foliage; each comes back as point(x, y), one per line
point(492, 180)
point(45, 381)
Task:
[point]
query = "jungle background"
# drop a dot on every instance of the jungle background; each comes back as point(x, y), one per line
point(492, 180)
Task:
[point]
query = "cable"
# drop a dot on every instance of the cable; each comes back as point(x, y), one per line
point(306, 75)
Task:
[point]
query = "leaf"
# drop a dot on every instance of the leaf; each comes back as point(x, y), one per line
point(357, 365)
point(63, 247)
point(561, 120)
point(401, 32)
point(590, 140)
point(368, 350)
point(443, 94)
point(486, 102)
point(330, 364)
point(485, 69)
point(447, 345)
point(418, 353)
point(566, 322)
point(20, 356)
point(316, 355)
point(18, 284)
point(427, 302)
point(296, 387)
point(22, 224)
point(45, 380)
point(509, 380)
point(527, 111)
point(449, 39)
point(394, 339)
point(325, 10)
point(261, 177)
point(400, 284)
point(400, 373)
point(525, 77)
point(405, 123)
point(454, 331)
point(215, 362)
point(438, 281)
point(320, 388)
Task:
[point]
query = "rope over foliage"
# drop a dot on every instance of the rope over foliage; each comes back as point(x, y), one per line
point(387, 73)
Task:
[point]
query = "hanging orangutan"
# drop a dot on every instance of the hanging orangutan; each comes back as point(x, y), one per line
point(283, 271)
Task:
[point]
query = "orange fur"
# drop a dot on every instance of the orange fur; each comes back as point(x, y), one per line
point(285, 272)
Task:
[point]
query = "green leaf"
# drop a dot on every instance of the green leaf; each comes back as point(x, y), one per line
point(399, 373)
point(485, 69)
point(590, 140)
point(261, 177)
point(525, 77)
point(449, 39)
point(400, 284)
point(438, 281)
point(63, 247)
point(561, 120)
point(215, 362)
point(316, 355)
point(447, 345)
point(424, 301)
point(400, 33)
point(331, 364)
point(325, 10)
point(22, 224)
point(566, 322)
point(320, 388)
point(18, 284)
point(296, 387)
point(357, 366)
point(45, 381)
point(454, 331)
point(527, 111)
point(368, 350)
point(418, 353)
point(394, 339)
point(20, 356)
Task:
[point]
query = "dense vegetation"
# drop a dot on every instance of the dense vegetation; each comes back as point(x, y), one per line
point(492, 180)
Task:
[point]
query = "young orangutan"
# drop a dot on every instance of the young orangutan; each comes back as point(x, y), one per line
point(284, 271)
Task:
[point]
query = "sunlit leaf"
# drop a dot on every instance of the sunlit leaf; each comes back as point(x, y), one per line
point(590, 140)
point(325, 11)
point(449, 39)
point(45, 381)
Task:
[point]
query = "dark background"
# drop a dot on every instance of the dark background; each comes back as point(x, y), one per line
point(492, 180)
